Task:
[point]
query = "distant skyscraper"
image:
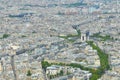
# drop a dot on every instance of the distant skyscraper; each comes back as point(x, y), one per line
point(81, 1)
point(118, 5)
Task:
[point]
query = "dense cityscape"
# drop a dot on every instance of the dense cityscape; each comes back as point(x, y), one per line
point(59, 39)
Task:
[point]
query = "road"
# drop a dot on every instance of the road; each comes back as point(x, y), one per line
point(88, 21)
point(13, 67)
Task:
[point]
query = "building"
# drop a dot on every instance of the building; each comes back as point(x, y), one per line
point(85, 36)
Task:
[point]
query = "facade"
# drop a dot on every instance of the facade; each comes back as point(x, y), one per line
point(84, 36)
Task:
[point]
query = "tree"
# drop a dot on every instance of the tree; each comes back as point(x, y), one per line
point(5, 35)
point(45, 64)
point(29, 73)
point(61, 72)
point(79, 32)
